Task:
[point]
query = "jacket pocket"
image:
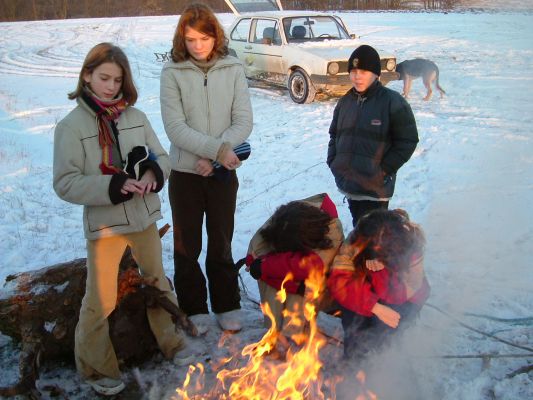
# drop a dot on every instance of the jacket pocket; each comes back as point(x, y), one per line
point(152, 203)
point(104, 217)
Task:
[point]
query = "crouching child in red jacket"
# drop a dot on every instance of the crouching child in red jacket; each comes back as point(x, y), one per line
point(378, 279)
point(300, 237)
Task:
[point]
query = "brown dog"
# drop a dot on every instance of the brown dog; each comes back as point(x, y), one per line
point(416, 68)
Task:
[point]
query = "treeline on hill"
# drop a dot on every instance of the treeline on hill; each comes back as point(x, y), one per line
point(17, 10)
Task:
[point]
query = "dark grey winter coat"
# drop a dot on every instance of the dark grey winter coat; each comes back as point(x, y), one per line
point(371, 137)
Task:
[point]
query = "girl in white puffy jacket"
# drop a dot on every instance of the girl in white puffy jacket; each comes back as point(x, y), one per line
point(206, 111)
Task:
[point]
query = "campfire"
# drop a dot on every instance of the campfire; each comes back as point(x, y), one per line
point(272, 368)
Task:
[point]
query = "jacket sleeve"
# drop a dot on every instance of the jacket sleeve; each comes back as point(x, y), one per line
point(241, 112)
point(161, 165)
point(389, 287)
point(179, 133)
point(278, 265)
point(354, 294)
point(332, 150)
point(69, 180)
point(404, 135)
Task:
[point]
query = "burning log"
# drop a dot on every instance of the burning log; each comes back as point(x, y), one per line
point(40, 309)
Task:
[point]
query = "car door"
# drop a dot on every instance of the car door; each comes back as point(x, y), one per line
point(239, 39)
point(264, 53)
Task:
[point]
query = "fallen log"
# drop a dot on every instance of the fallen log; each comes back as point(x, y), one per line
point(40, 309)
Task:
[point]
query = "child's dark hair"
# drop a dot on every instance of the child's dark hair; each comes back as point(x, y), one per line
point(298, 226)
point(388, 236)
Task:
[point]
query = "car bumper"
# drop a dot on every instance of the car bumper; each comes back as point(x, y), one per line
point(334, 80)
point(344, 79)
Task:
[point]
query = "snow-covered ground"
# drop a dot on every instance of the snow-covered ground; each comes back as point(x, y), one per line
point(469, 183)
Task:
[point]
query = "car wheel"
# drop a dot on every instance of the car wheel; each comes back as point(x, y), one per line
point(301, 89)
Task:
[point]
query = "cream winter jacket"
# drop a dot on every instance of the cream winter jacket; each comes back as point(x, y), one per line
point(201, 111)
point(78, 179)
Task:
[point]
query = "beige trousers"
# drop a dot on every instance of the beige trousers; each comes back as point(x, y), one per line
point(293, 322)
point(289, 317)
point(94, 353)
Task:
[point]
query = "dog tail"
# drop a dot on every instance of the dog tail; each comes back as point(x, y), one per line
point(437, 81)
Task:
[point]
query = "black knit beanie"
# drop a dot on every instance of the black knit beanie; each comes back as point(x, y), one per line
point(365, 57)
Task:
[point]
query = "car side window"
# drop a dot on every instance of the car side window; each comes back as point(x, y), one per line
point(241, 30)
point(266, 32)
point(295, 29)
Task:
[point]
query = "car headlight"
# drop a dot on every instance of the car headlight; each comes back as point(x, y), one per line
point(333, 68)
point(391, 63)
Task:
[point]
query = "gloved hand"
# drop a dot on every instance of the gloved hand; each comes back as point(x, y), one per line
point(242, 152)
point(255, 268)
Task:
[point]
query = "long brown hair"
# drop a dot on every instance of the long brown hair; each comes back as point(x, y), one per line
point(103, 53)
point(201, 18)
point(298, 226)
point(388, 236)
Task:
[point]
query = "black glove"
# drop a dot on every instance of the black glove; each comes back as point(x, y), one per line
point(255, 268)
point(135, 157)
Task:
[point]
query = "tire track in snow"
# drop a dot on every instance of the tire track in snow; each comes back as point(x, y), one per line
point(57, 53)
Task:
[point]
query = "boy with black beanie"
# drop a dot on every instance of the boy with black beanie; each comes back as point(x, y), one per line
point(372, 134)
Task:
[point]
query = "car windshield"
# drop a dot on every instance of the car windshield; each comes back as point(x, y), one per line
point(304, 29)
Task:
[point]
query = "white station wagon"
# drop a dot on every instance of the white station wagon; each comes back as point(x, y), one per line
point(305, 51)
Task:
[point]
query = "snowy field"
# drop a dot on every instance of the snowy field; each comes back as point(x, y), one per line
point(469, 183)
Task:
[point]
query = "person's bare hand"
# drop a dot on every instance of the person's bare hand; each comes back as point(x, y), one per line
point(148, 181)
point(374, 265)
point(387, 315)
point(204, 167)
point(132, 186)
point(230, 160)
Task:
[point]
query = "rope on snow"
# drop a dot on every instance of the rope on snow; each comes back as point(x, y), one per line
point(280, 182)
point(518, 346)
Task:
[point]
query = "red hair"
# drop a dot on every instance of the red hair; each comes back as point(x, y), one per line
point(201, 18)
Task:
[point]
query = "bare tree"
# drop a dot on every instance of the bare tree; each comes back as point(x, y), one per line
point(12, 10)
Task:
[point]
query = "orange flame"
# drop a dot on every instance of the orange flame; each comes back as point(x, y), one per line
point(366, 394)
point(263, 376)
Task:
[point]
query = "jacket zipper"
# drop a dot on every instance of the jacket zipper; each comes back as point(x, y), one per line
point(207, 101)
point(207, 97)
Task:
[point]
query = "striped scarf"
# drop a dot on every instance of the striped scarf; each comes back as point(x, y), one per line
point(107, 112)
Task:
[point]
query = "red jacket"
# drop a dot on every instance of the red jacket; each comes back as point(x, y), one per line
point(276, 266)
point(361, 295)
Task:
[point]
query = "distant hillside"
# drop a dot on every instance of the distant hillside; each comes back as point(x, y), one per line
point(497, 4)
point(16, 10)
